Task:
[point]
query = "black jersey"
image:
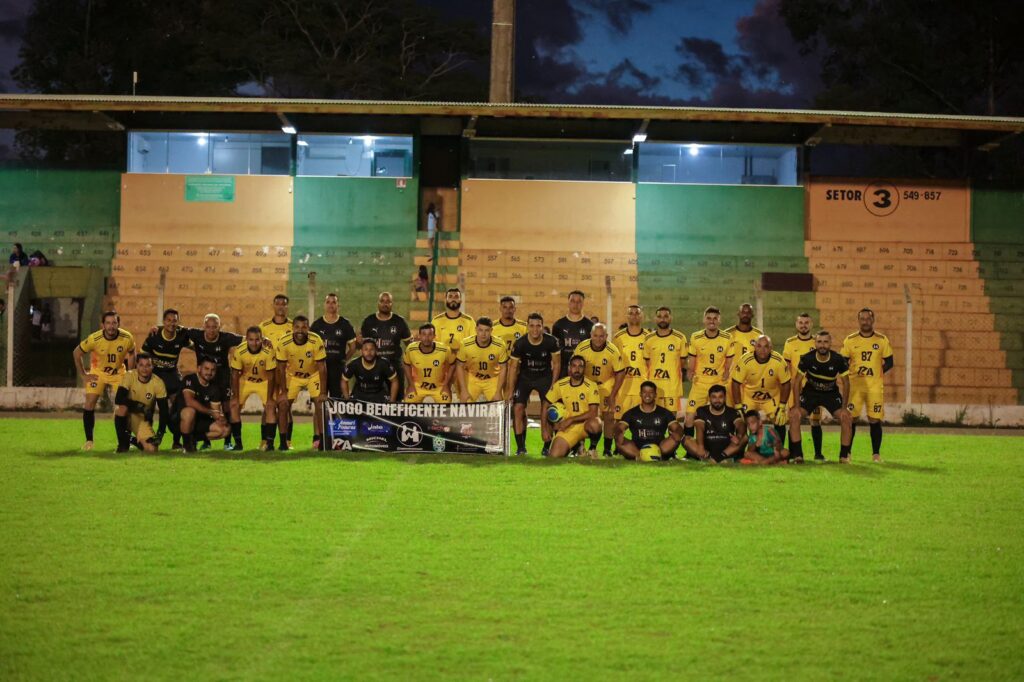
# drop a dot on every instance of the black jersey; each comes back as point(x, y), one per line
point(569, 335)
point(206, 395)
point(718, 428)
point(535, 359)
point(165, 351)
point(370, 382)
point(821, 375)
point(216, 350)
point(389, 335)
point(336, 336)
point(648, 428)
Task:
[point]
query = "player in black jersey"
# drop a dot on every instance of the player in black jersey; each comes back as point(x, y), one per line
point(391, 332)
point(573, 328)
point(339, 338)
point(212, 343)
point(375, 380)
point(822, 380)
point(720, 429)
point(536, 366)
point(165, 346)
point(649, 424)
point(200, 408)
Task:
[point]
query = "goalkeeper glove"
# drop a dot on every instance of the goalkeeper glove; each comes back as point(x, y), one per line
point(781, 415)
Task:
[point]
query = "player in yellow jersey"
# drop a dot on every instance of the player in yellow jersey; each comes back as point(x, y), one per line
point(253, 372)
point(428, 365)
point(665, 350)
point(711, 357)
point(579, 399)
point(481, 365)
point(761, 381)
point(744, 333)
point(109, 349)
point(605, 368)
point(279, 324)
point(140, 391)
point(795, 348)
point(870, 356)
point(629, 339)
point(509, 328)
point(301, 365)
point(451, 326)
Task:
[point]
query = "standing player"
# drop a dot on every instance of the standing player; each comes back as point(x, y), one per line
point(822, 381)
point(200, 406)
point(796, 347)
point(254, 372)
point(605, 368)
point(744, 333)
point(629, 339)
point(452, 326)
point(579, 399)
point(277, 325)
point(301, 365)
point(428, 366)
point(376, 381)
point(649, 425)
point(665, 352)
point(711, 353)
point(140, 391)
point(761, 381)
point(485, 360)
point(536, 363)
point(573, 328)
point(870, 356)
point(721, 431)
point(339, 340)
point(165, 346)
point(390, 331)
point(210, 342)
point(110, 349)
point(509, 328)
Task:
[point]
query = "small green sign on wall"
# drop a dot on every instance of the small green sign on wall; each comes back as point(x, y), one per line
point(210, 188)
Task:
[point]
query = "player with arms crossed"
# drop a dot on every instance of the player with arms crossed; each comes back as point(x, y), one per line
point(428, 365)
point(535, 366)
point(796, 347)
point(605, 368)
point(577, 399)
point(721, 431)
point(711, 353)
point(165, 346)
point(655, 433)
point(666, 353)
point(629, 339)
point(254, 372)
point(376, 381)
point(744, 333)
point(109, 349)
point(573, 328)
point(761, 381)
point(481, 368)
point(822, 381)
point(301, 365)
point(870, 356)
point(140, 391)
point(509, 329)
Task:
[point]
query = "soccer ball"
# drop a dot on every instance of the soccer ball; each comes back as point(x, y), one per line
point(555, 413)
point(650, 453)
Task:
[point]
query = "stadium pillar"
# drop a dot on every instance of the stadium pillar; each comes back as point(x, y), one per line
point(312, 295)
point(503, 40)
point(909, 369)
point(161, 288)
point(10, 327)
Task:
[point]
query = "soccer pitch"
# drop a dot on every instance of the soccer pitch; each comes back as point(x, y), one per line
point(324, 565)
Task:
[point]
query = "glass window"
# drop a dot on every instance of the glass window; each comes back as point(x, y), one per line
point(717, 164)
point(355, 156)
point(555, 160)
point(188, 152)
point(147, 153)
point(209, 152)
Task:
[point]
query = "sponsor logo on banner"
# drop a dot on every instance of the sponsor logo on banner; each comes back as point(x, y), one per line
point(345, 428)
point(439, 443)
point(410, 434)
point(374, 428)
point(466, 429)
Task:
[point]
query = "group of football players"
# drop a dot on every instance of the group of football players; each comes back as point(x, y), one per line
point(745, 398)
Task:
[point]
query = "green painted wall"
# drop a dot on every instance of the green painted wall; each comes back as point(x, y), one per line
point(997, 217)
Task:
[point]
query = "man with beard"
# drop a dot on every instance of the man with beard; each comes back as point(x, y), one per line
point(390, 331)
point(165, 346)
point(373, 378)
point(140, 391)
point(796, 347)
point(109, 349)
point(822, 382)
point(604, 367)
point(711, 358)
point(253, 372)
point(629, 339)
point(665, 350)
point(721, 431)
point(200, 406)
point(536, 365)
point(744, 333)
point(650, 426)
point(574, 328)
point(301, 366)
point(509, 328)
point(212, 343)
point(870, 356)
point(579, 399)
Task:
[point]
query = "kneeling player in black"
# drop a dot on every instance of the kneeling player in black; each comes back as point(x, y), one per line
point(376, 381)
point(720, 429)
point(200, 406)
point(649, 424)
point(536, 363)
point(822, 380)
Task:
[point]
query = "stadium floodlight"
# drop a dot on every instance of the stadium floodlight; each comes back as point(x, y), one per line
point(287, 126)
point(694, 149)
point(639, 137)
point(628, 152)
point(303, 143)
point(288, 129)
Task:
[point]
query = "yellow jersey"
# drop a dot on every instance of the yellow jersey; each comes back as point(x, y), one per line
point(106, 356)
point(794, 349)
point(274, 331)
point(865, 354)
point(482, 362)
point(255, 367)
point(509, 334)
point(575, 398)
point(602, 365)
point(711, 353)
point(300, 360)
point(142, 395)
point(450, 332)
point(743, 342)
point(631, 347)
point(761, 380)
point(427, 368)
point(666, 355)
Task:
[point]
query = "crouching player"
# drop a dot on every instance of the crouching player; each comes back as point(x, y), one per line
point(139, 392)
point(200, 406)
point(655, 432)
point(578, 399)
point(764, 444)
point(253, 372)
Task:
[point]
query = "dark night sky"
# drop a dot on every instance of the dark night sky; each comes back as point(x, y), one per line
point(705, 52)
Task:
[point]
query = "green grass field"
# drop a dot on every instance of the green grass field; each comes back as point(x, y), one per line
point(314, 565)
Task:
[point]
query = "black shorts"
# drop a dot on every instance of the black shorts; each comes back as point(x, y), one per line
point(526, 385)
point(171, 379)
point(200, 425)
point(371, 397)
point(832, 401)
point(334, 374)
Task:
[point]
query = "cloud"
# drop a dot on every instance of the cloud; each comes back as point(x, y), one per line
point(619, 13)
